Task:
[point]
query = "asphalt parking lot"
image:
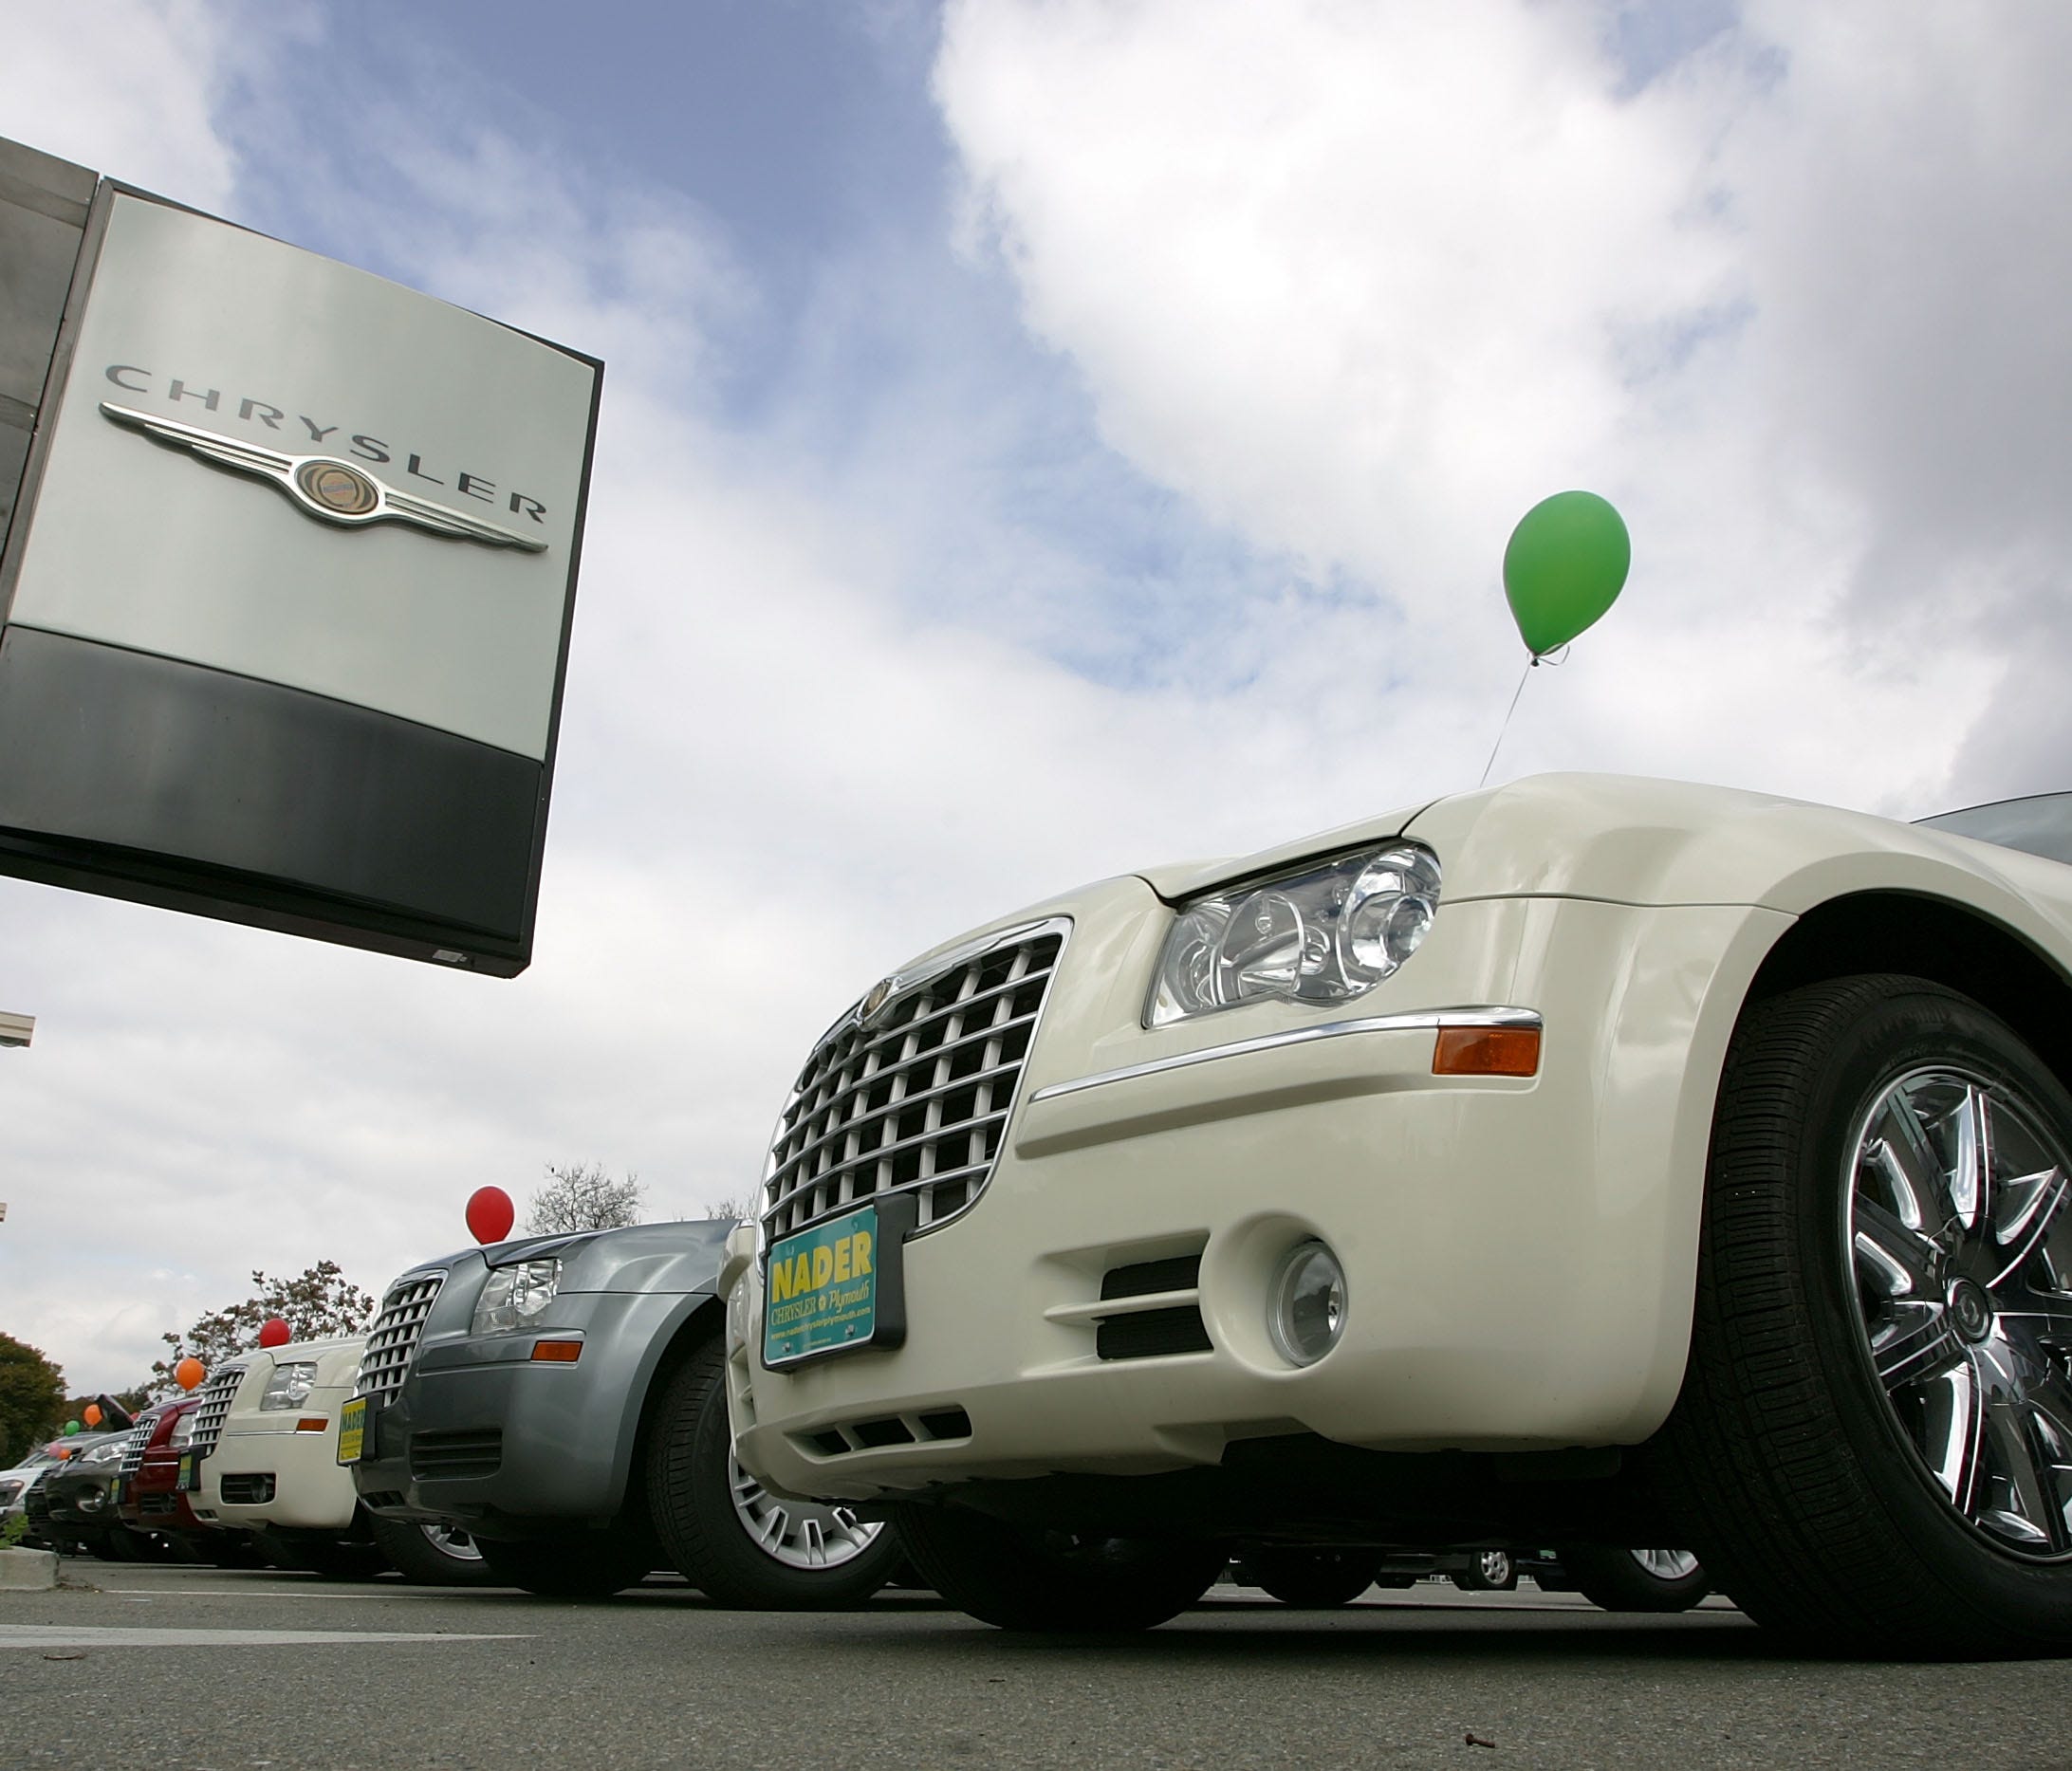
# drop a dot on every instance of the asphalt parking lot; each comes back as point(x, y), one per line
point(179, 1669)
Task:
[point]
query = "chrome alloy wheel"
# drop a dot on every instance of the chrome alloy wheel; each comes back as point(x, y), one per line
point(799, 1534)
point(451, 1541)
point(1962, 1274)
point(1666, 1564)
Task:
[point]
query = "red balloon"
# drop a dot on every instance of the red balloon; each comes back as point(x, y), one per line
point(274, 1332)
point(490, 1215)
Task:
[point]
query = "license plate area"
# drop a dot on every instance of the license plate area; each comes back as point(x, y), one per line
point(840, 1286)
point(352, 1431)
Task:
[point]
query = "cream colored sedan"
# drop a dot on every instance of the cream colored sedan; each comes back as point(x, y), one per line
point(1590, 1160)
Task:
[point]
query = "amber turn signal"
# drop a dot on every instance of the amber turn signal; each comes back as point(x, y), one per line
point(311, 1423)
point(557, 1352)
point(1487, 1051)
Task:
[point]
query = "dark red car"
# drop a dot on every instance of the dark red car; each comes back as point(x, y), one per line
point(153, 1496)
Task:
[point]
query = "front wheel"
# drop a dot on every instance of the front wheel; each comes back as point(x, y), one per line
point(433, 1555)
point(1615, 1578)
point(728, 1534)
point(1021, 1579)
point(1872, 1448)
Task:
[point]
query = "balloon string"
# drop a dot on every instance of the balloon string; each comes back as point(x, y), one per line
point(1505, 726)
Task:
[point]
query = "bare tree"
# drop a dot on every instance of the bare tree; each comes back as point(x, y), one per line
point(741, 1207)
point(319, 1301)
point(583, 1196)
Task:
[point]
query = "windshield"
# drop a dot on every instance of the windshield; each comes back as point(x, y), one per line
point(2041, 824)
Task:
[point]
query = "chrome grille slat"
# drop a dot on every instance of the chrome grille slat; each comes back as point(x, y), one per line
point(826, 1110)
point(133, 1448)
point(392, 1343)
point(848, 1128)
point(876, 1109)
point(214, 1409)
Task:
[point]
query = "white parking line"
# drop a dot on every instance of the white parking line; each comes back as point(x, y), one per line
point(60, 1636)
point(309, 1593)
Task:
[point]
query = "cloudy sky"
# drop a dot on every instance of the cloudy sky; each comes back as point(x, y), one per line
point(1043, 437)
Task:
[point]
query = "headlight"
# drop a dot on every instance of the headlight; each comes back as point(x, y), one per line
point(1322, 935)
point(515, 1296)
point(291, 1385)
point(110, 1452)
point(183, 1431)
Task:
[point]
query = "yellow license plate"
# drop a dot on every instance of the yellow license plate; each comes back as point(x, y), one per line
point(352, 1431)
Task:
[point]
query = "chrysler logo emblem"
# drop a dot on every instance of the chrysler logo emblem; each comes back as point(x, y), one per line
point(323, 486)
point(874, 999)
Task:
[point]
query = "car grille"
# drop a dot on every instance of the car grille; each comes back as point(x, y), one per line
point(915, 1097)
point(213, 1408)
point(460, 1451)
point(1148, 1333)
point(393, 1341)
point(133, 1448)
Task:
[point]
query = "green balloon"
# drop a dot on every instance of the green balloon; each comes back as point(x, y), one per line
point(1565, 566)
point(71, 1426)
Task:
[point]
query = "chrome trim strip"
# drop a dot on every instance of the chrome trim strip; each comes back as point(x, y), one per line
point(1430, 1020)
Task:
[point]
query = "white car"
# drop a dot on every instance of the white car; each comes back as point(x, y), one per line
point(266, 1447)
point(16, 1483)
point(1587, 1160)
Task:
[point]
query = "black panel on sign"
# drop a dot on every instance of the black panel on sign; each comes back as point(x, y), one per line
point(145, 778)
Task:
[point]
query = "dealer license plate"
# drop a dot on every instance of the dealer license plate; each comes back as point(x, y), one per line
point(114, 1492)
point(352, 1431)
point(823, 1290)
point(189, 1482)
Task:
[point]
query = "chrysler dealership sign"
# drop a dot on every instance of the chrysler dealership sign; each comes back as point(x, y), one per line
point(287, 583)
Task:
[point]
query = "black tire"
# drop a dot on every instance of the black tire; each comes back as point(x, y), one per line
point(740, 1545)
point(1617, 1578)
point(1840, 1357)
point(432, 1555)
point(118, 1543)
point(312, 1551)
point(1021, 1578)
point(1311, 1579)
point(1488, 1571)
point(583, 1565)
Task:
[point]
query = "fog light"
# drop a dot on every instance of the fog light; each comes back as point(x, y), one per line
point(1307, 1313)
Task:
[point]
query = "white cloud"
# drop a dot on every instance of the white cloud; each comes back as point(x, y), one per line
point(1368, 281)
point(129, 88)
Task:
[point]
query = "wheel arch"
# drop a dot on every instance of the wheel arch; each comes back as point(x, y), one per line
point(1955, 945)
point(1998, 955)
point(704, 1318)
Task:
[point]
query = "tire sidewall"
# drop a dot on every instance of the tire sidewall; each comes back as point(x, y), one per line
point(1902, 1030)
point(715, 1550)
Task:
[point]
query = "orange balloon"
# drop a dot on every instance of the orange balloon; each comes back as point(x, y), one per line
point(189, 1372)
point(91, 1414)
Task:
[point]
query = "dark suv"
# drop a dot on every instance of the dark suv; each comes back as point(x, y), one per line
point(560, 1399)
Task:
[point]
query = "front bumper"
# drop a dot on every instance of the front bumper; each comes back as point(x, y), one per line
point(1518, 1252)
point(153, 1499)
point(479, 1433)
point(260, 1450)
